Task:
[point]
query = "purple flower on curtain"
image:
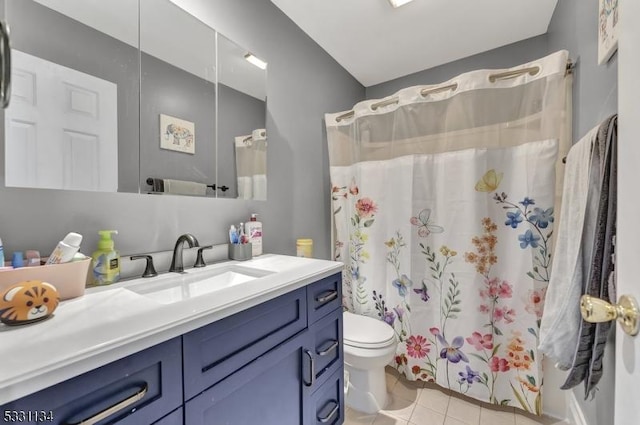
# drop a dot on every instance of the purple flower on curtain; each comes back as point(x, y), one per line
point(470, 376)
point(402, 283)
point(389, 318)
point(513, 219)
point(541, 217)
point(528, 238)
point(452, 352)
point(527, 201)
point(423, 292)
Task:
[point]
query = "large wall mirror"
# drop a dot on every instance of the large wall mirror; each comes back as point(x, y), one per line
point(242, 136)
point(131, 96)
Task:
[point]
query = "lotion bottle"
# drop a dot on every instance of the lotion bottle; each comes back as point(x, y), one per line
point(106, 260)
point(66, 249)
point(253, 228)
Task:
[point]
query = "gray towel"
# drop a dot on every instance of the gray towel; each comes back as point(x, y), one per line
point(587, 362)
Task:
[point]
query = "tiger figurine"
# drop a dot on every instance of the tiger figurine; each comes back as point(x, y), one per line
point(28, 302)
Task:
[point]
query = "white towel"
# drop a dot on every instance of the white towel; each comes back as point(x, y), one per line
point(182, 187)
point(559, 329)
point(260, 187)
point(245, 188)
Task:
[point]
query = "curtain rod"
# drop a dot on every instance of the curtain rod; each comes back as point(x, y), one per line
point(453, 87)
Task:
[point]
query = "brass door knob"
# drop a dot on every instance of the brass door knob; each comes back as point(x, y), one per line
point(595, 310)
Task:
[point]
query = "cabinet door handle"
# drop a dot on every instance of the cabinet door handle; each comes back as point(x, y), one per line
point(333, 412)
point(312, 368)
point(113, 409)
point(329, 349)
point(5, 76)
point(326, 297)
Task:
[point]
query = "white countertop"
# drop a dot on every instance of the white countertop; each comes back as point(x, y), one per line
point(109, 323)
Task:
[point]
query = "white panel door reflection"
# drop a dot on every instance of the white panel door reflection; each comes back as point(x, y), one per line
point(61, 128)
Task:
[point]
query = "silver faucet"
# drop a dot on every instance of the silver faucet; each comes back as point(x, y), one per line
point(176, 262)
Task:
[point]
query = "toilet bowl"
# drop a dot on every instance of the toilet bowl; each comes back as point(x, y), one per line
point(369, 345)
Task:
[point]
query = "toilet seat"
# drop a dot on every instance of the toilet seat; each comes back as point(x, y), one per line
point(366, 332)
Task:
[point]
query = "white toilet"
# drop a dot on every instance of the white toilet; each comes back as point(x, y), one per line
point(369, 345)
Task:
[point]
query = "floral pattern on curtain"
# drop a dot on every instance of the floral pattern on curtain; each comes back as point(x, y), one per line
point(451, 247)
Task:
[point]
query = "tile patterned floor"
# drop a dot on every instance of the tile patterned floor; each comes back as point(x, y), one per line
point(416, 403)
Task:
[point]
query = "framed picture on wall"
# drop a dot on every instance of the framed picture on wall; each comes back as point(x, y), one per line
point(607, 29)
point(177, 134)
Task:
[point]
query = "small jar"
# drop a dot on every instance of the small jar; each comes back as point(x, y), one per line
point(304, 248)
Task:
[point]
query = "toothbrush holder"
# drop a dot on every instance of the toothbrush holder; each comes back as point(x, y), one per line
point(240, 252)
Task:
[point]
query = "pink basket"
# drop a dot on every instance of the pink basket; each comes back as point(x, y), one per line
point(69, 279)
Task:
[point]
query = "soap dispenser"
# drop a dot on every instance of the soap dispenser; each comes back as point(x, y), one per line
point(106, 260)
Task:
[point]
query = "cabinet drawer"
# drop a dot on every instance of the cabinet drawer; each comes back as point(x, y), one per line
point(139, 389)
point(324, 296)
point(326, 343)
point(326, 405)
point(215, 351)
point(265, 392)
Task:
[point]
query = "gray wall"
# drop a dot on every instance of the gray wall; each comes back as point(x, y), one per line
point(304, 82)
point(503, 57)
point(238, 114)
point(574, 27)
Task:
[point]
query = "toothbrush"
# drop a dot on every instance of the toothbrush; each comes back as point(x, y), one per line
point(233, 234)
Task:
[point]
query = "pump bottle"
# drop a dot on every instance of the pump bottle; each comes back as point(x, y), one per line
point(253, 229)
point(106, 260)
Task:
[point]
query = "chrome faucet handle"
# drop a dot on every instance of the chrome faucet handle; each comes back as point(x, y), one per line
point(149, 270)
point(199, 260)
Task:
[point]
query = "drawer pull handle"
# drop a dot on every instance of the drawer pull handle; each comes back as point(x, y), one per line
point(329, 349)
point(326, 297)
point(113, 409)
point(333, 412)
point(312, 368)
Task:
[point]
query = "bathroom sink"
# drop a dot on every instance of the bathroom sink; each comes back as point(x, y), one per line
point(172, 288)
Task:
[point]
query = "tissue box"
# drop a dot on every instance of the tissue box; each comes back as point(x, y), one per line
point(69, 278)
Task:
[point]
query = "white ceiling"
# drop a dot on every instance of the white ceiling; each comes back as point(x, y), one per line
point(376, 43)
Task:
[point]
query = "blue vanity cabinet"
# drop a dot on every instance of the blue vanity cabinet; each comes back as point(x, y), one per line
point(291, 379)
point(323, 397)
point(139, 389)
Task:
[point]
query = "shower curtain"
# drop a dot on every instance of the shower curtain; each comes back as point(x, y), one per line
point(444, 201)
point(251, 165)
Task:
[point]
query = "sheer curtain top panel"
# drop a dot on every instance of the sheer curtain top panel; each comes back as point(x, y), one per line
point(458, 114)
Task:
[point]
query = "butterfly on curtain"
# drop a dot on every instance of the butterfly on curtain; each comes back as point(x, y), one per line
point(489, 182)
point(423, 292)
point(425, 227)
